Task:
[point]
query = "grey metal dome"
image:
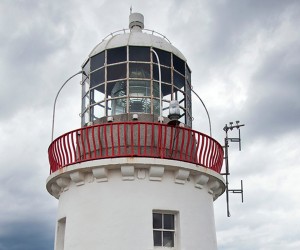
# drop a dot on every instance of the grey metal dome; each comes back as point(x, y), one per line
point(136, 36)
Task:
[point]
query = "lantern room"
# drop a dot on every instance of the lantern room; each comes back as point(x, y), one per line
point(135, 73)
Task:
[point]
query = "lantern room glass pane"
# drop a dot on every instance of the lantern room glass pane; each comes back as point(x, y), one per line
point(116, 89)
point(155, 90)
point(179, 80)
point(182, 119)
point(156, 107)
point(96, 96)
point(97, 77)
point(179, 96)
point(139, 105)
point(164, 57)
point(97, 111)
point(166, 91)
point(118, 106)
point(116, 72)
point(139, 70)
point(101, 88)
point(165, 73)
point(97, 61)
point(179, 64)
point(139, 88)
point(116, 55)
point(188, 74)
point(137, 53)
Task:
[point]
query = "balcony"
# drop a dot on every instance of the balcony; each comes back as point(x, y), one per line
point(135, 139)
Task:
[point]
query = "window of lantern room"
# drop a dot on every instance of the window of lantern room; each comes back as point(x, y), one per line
point(164, 229)
point(166, 79)
point(139, 80)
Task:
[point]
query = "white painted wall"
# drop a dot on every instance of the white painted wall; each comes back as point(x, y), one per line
point(117, 214)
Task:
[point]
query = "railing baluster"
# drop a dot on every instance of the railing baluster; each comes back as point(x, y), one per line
point(131, 140)
point(182, 143)
point(187, 144)
point(145, 136)
point(207, 144)
point(78, 134)
point(66, 146)
point(211, 154)
point(171, 144)
point(152, 140)
point(192, 146)
point(177, 132)
point(99, 141)
point(105, 140)
point(165, 142)
point(215, 157)
point(125, 138)
point(139, 139)
point(94, 142)
point(73, 146)
point(87, 134)
point(159, 139)
point(119, 141)
point(220, 163)
point(201, 150)
point(62, 151)
point(83, 144)
point(112, 140)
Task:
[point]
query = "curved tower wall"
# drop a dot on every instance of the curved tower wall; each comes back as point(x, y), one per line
point(109, 204)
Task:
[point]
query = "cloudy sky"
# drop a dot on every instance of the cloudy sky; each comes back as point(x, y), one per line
point(245, 61)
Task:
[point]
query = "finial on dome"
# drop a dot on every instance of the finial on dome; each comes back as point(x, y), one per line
point(136, 19)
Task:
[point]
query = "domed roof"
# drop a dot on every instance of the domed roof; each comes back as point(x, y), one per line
point(136, 36)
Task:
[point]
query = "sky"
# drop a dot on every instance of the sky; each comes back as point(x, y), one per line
point(245, 61)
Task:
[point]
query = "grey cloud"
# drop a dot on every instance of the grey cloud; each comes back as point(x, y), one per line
point(30, 41)
point(273, 105)
point(44, 41)
point(27, 235)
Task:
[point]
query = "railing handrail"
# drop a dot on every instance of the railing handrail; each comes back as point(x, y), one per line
point(124, 31)
point(150, 140)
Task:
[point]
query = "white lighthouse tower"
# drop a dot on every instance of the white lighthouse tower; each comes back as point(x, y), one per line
point(135, 176)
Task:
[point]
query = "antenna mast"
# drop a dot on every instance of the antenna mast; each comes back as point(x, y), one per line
point(227, 173)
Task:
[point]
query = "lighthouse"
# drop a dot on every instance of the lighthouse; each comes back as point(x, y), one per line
point(135, 175)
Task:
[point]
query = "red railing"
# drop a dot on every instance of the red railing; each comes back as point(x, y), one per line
point(135, 139)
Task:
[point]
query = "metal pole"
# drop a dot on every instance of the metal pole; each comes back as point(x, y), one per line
point(159, 77)
point(205, 110)
point(227, 173)
point(53, 116)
